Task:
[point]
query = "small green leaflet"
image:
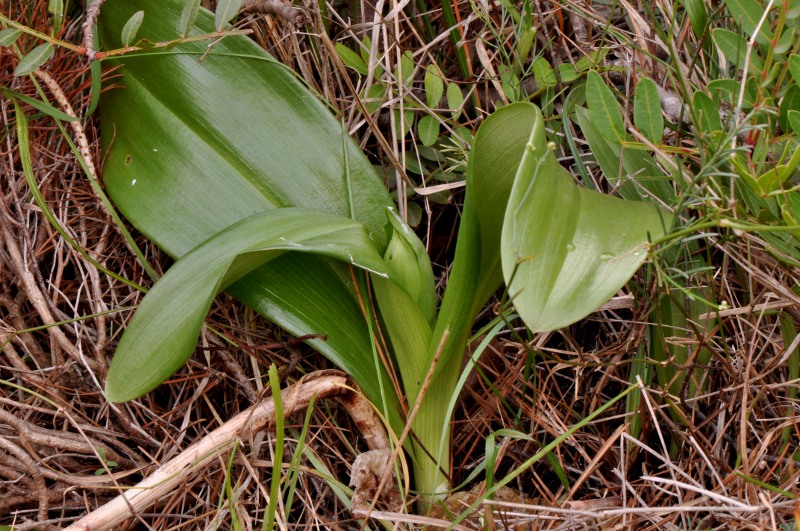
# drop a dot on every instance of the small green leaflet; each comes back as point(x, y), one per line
point(351, 59)
point(9, 36)
point(647, 110)
point(455, 99)
point(188, 16)
point(428, 130)
point(131, 28)
point(434, 86)
point(226, 10)
point(34, 59)
point(603, 108)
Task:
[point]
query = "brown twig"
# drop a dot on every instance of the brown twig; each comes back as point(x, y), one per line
point(92, 12)
point(321, 384)
point(30, 466)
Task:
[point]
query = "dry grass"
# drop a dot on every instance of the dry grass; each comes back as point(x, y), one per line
point(60, 318)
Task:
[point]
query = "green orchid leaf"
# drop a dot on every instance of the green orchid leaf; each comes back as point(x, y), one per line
point(566, 250)
point(196, 146)
point(163, 333)
point(476, 274)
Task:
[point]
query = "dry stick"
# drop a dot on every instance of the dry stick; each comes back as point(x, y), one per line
point(61, 440)
point(33, 470)
point(37, 298)
point(317, 385)
point(387, 148)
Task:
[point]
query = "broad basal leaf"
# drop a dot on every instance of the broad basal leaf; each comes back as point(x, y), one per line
point(566, 250)
point(164, 331)
point(196, 146)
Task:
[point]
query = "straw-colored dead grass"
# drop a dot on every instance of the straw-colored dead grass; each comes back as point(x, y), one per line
point(65, 451)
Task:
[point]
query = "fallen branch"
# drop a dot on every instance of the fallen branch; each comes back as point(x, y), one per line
point(318, 385)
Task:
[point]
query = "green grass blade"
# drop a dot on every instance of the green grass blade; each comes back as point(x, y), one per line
point(540, 454)
point(277, 459)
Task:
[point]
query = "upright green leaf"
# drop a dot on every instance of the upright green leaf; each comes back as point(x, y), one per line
point(226, 10)
point(566, 250)
point(794, 67)
point(434, 86)
point(647, 110)
point(476, 274)
point(34, 59)
point(56, 8)
point(455, 99)
point(707, 113)
point(734, 47)
point(603, 108)
point(131, 28)
point(698, 17)
point(748, 13)
point(188, 16)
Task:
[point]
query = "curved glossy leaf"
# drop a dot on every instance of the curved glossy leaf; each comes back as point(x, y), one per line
point(566, 250)
point(195, 147)
point(163, 333)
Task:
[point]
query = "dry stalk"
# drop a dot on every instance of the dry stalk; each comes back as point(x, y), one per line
point(318, 385)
